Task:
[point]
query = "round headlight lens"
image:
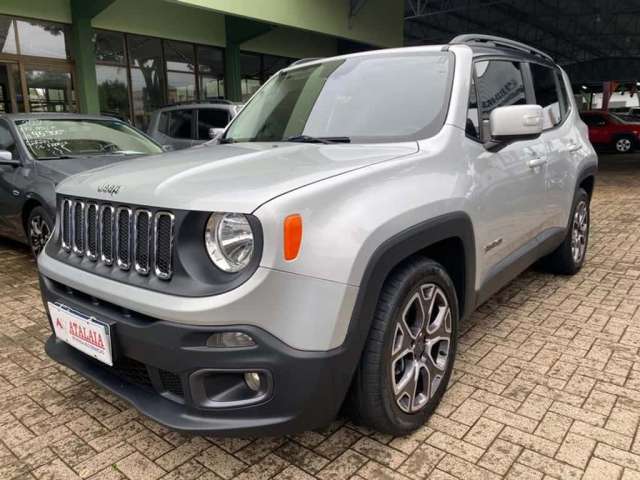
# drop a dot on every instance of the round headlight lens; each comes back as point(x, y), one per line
point(229, 241)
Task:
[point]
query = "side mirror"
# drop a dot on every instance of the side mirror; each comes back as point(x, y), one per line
point(215, 133)
point(515, 122)
point(6, 158)
point(168, 148)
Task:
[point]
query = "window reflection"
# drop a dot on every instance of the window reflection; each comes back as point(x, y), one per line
point(49, 90)
point(113, 90)
point(7, 35)
point(146, 92)
point(110, 47)
point(42, 39)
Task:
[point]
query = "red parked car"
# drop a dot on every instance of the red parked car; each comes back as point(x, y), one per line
point(606, 130)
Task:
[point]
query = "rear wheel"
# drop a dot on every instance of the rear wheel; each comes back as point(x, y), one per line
point(624, 144)
point(569, 257)
point(408, 358)
point(39, 228)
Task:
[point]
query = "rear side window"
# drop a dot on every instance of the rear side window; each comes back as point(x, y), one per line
point(499, 83)
point(211, 118)
point(546, 88)
point(593, 120)
point(176, 123)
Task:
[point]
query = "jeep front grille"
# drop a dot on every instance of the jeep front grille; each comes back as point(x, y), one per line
point(119, 236)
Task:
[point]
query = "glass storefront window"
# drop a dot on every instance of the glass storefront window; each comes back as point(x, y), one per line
point(42, 39)
point(109, 47)
point(49, 90)
point(113, 90)
point(211, 87)
point(271, 64)
point(144, 52)
point(251, 74)
point(211, 70)
point(179, 56)
point(7, 35)
point(147, 92)
point(181, 87)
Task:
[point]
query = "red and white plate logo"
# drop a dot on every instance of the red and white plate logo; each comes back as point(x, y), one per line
point(84, 333)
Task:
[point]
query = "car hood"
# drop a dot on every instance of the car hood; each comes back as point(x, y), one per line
point(233, 178)
point(57, 170)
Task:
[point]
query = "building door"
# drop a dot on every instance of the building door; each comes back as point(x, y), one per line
point(11, 99)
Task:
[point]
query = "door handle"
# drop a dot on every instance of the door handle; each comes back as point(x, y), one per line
point(536, 162)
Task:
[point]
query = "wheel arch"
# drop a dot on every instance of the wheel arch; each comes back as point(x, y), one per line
point(448, 239)
point(27, 208)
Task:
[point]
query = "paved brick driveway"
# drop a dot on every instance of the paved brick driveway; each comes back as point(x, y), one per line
point(547, 385)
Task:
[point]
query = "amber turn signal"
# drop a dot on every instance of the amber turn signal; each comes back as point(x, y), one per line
point(292, 236)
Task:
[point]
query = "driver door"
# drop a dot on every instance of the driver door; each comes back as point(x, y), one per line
point(510, 179)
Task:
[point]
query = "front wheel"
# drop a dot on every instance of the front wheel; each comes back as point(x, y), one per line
point(408, 358)
point(39, 228)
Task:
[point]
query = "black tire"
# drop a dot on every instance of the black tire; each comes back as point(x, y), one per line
point(373, 401)
point(562, 260)
point(624, 144)
point(38, 229)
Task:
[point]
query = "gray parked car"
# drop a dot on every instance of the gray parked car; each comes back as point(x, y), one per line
point(354, 213)
point(189, 124)
point(38, 150)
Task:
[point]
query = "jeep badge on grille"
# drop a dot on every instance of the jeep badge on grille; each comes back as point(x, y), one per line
point(109, 188)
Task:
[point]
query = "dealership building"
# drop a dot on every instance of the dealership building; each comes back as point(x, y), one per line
point(127, 58)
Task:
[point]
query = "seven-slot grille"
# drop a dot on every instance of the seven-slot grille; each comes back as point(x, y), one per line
point(127, 237)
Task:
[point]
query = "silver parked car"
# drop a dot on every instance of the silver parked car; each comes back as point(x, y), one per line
point(38, 150)
point(355, 212)
point(188, 124)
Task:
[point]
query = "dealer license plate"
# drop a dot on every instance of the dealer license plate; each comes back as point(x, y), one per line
point(85, 333)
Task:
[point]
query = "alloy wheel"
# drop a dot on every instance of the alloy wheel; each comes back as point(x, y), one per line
point(579, 232)
point(39, 233)
point(623, 145)
point(420, 349)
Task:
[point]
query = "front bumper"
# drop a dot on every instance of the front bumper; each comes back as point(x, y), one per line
point(155, 362)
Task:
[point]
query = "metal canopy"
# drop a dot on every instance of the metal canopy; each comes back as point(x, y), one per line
point(587, 37)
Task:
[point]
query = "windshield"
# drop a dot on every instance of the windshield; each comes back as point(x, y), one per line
point(371, 98)
point(62, 138)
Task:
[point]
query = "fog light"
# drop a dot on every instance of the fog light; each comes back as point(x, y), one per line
point(230, 340)
point(253, 381)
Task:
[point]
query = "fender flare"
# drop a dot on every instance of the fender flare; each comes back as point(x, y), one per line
point(391, 253)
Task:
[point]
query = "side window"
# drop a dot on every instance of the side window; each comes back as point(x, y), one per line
point(7, 142)
point(472, 127)
point(545, 86)
point(211, 118)
point(176, 123)
point(565, 102)
point(500, 83)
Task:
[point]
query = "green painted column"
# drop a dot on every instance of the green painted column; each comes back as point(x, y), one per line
point(232, 78)
point(83, 52)
point(237, 31)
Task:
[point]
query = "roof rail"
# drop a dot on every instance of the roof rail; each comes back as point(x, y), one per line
point(305, 60)
point(498, 42)
point(222, 101)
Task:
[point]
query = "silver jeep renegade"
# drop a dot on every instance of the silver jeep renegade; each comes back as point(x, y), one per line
point(325, 252)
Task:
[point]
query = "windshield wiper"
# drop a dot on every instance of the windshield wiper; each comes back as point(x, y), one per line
point(325, 140)
point(60, 157)
point(226, 140)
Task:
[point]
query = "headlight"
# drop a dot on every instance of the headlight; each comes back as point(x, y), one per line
point(229, 241)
